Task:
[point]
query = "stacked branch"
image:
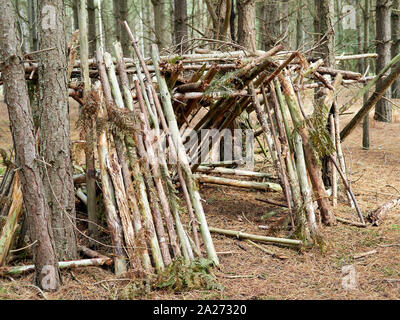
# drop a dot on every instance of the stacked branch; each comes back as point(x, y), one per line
point(144, 110)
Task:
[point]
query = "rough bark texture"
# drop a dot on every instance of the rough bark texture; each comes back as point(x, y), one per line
point(181, 31)
point(396, 42)
point(106, 17)
point(365, 134)
point(246, 24)
point(299, 25)
point(17, 99)
point(270, 24)
point(285, 23)
point(124, 13)
point(92, 27)
point(324, 30)
point(54, 127)
point(161, 23)
point(117, 17)
point(383, 109)
point(75, 11)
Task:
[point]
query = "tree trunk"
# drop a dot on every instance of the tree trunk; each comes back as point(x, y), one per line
point(324, 30)
point(75, 10)
point(106, 14)
point(365, 134)
point(117, 18)
point(246, 24)
point(89, 127)
point(396, 43)
point(299, 25)
point(383, 109)
point(54, 127)
point(181, 32)
point(17, 99)
point(124, 15)
point(32, 6)
point(91, 8)
point(284, 27)
point(325, 35)
point(271, 24)
point(161, 23)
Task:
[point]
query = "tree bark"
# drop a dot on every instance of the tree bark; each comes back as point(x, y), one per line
point(92, 27)
point(54, 127)
point(246, 24)
point(365, 134)
point(324, 30)
point(395, 42)
point(17, 99)
point(383, 108)
point(284, 30)
point(161, 23)
point(270, 24)
point(75, 12)
point(89, 131)
point(106, 14)
point(180, 19)
point(124, 15)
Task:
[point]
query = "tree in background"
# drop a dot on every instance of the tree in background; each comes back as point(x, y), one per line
point(180, 25)
point(270, 24)
point(161, 23)
point(55, 128)
point(16, 96)
point(383, 109)
point(395, 25)
point(246, 24)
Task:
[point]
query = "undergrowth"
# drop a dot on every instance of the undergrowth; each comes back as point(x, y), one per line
point(179, 276)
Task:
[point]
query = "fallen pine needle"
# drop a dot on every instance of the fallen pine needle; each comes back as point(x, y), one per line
point(273, 254)
point(364, 254)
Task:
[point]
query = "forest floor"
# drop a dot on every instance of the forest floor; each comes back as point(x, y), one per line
point(248, 273)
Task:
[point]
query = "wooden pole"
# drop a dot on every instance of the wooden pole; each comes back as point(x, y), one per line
point(7, 233)
point(89, 130)
point(272, 240)
point(183, 159)
point(113, 221)
point(16, 271)
point(266, 186)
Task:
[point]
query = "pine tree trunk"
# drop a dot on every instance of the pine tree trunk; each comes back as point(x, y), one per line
point(246, 24)
point(124, 15)
point(106, 14)
point(181, 32)
point(365, 134)
point(285, 24)
point(116, 19)
point(396, 42)
point(271, 24)
point(91, 9)
point(299, 25)
point(161, 23)
point(54, 127)
point(75, 10)
point(324, 28)
point(17, 99)
point(383, 109)
point(32, 6)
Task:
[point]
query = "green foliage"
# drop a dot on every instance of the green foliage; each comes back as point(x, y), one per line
point(320, 137)
point(224, 83)
point(135, 290)
point(180, 276)
point(175, 59)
